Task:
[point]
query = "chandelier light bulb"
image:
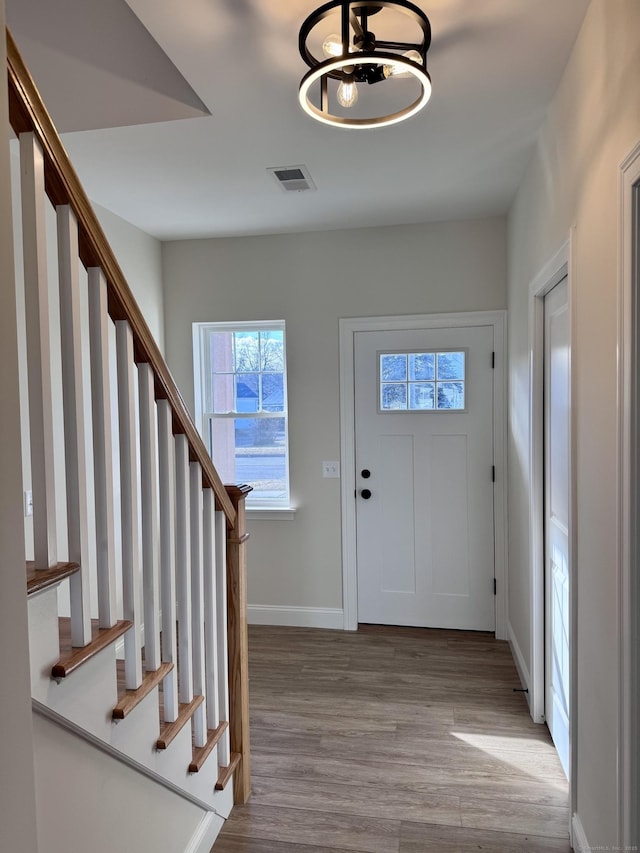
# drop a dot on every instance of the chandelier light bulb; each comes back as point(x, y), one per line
point(347, 93)
point(395, 71)
point(332, 45)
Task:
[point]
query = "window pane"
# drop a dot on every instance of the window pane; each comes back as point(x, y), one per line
point(260, 456)
point(393, 396)
point(393, 367)
point(251, 451)
point(422, 395)
point(451, 395)
point(450, 365)
point(273, 392)
point(272, 352)
point(247, 392)
point(422, 366)
point(247, 356)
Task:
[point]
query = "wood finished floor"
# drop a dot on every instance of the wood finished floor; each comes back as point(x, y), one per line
point(394, 740)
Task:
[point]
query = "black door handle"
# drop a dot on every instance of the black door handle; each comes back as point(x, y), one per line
point(366, 473)
point(366, 494)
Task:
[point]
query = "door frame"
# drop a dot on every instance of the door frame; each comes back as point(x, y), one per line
point(551, 274)
point(348, 328)
point(557, 268)
point(628, 556)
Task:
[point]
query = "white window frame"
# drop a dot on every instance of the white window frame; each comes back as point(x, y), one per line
point(258, 507)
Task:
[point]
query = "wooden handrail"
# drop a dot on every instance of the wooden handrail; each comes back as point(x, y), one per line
point(27, 113)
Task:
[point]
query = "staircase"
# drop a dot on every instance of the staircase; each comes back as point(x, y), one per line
point(137, 612)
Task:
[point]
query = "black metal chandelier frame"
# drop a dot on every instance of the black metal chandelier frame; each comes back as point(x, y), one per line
point(363, 59)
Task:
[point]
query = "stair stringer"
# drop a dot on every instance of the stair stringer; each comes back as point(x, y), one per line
point(83, 703)
point(90, 799)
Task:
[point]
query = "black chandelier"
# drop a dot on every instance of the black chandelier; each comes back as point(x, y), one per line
point(355, 56)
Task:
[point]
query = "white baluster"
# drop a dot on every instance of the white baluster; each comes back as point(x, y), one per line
point(183, 570)
point(38, 351)
point(150, 509)
point(224, 744)
point(197, 603)
point(130, 504)
point(210, 608)
point(167, 475)
point(103, 445)
point(75, 436)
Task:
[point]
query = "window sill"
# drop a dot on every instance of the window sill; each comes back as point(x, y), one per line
point(271, 513)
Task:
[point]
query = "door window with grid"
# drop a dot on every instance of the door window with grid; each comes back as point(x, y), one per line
point(422, 381)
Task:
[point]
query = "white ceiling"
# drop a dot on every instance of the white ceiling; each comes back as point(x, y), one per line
point(173, 111)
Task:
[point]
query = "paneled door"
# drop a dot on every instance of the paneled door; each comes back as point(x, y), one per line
point(424, 477)
point(556, 516)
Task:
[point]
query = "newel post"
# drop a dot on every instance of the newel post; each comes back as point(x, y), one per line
point(238, 643)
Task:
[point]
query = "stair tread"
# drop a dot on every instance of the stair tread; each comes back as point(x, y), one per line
point(41, 579)
point(129, 699)
point(225, 773)
point(72, 657)
point(201, 753)
point(168, 731)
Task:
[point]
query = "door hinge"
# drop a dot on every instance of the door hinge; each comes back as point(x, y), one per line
point(493, 360)
point(495, 586)
point(493, 473)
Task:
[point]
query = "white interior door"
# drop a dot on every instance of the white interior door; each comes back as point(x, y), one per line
point(424, 477)
point(556, 516)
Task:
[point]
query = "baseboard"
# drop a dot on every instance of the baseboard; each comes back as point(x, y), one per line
point(521, 666)
point(296, 617)
point(578, 837)
point(205, 834)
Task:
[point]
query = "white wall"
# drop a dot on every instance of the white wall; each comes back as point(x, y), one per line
point(140, 257)
point(594, 121)
point(311, 280)
point(17, 792)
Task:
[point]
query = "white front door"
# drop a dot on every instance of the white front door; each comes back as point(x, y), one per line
point(424, 477)
point(556, 516)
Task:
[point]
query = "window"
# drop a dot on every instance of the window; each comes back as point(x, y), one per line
point(241, 405)
point(422, 381)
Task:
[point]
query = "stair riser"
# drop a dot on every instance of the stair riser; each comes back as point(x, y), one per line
point(44, 642)
point(86, 697)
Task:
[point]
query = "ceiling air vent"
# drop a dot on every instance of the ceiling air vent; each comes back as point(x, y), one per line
point(292, 178)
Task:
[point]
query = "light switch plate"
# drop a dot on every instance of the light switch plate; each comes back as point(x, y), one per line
point(330, 469)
